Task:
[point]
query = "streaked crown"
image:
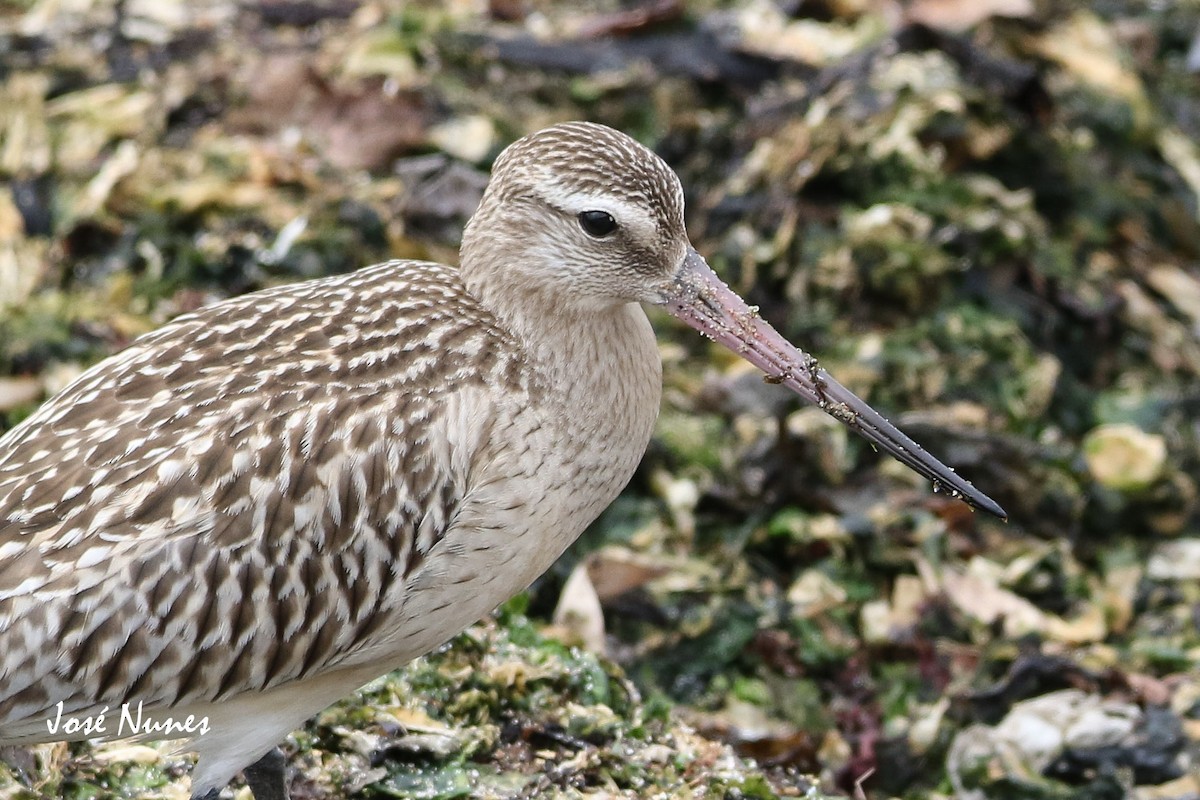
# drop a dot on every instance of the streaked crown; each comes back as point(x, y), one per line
point(581, 211)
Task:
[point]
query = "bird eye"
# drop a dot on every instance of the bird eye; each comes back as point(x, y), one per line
point(597, 224)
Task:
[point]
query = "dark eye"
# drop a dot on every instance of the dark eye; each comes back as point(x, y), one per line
point(597, 223)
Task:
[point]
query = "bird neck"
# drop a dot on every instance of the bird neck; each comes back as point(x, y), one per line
point(538, 315)
point(592, 354)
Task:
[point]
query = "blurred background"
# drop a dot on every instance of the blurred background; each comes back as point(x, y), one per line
point(982, 215)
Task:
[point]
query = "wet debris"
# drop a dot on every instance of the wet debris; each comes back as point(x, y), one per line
point(1070, 736)
point(440, 194)
point(303, 13)
point(698, 56)
point(1125, 458)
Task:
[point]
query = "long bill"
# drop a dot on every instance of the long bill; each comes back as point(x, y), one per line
point(699, 298)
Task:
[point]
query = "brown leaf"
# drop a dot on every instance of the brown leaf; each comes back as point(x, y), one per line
point(631, 20)
point(960, 15)
point(507, 10)
point(358, 125)
point(1149, 689)
point(615, 570)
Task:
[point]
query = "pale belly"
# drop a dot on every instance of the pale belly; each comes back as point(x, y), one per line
point(550, 471)
point(511, 532)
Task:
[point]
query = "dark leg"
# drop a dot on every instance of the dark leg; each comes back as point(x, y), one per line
point(265, 777)
point(211, 794)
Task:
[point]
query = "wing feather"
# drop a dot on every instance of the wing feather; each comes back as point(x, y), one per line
point(227, 506)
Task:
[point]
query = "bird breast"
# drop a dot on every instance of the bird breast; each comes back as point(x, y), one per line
point(541, 467)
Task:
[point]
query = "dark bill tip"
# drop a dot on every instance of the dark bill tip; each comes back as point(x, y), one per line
point(698, 297)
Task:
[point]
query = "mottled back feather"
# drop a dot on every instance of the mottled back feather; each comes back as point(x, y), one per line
point(317, 442)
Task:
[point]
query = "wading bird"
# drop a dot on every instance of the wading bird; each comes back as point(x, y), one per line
point(267, 503)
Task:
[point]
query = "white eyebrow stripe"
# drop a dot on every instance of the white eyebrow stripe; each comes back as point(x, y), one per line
point(631, 216)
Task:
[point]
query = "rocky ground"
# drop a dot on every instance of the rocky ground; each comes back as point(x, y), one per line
point(983, 215)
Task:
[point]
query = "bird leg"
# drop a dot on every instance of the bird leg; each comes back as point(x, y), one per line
point(265, 777)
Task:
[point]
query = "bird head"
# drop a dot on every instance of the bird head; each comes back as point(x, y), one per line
point(582, 215)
